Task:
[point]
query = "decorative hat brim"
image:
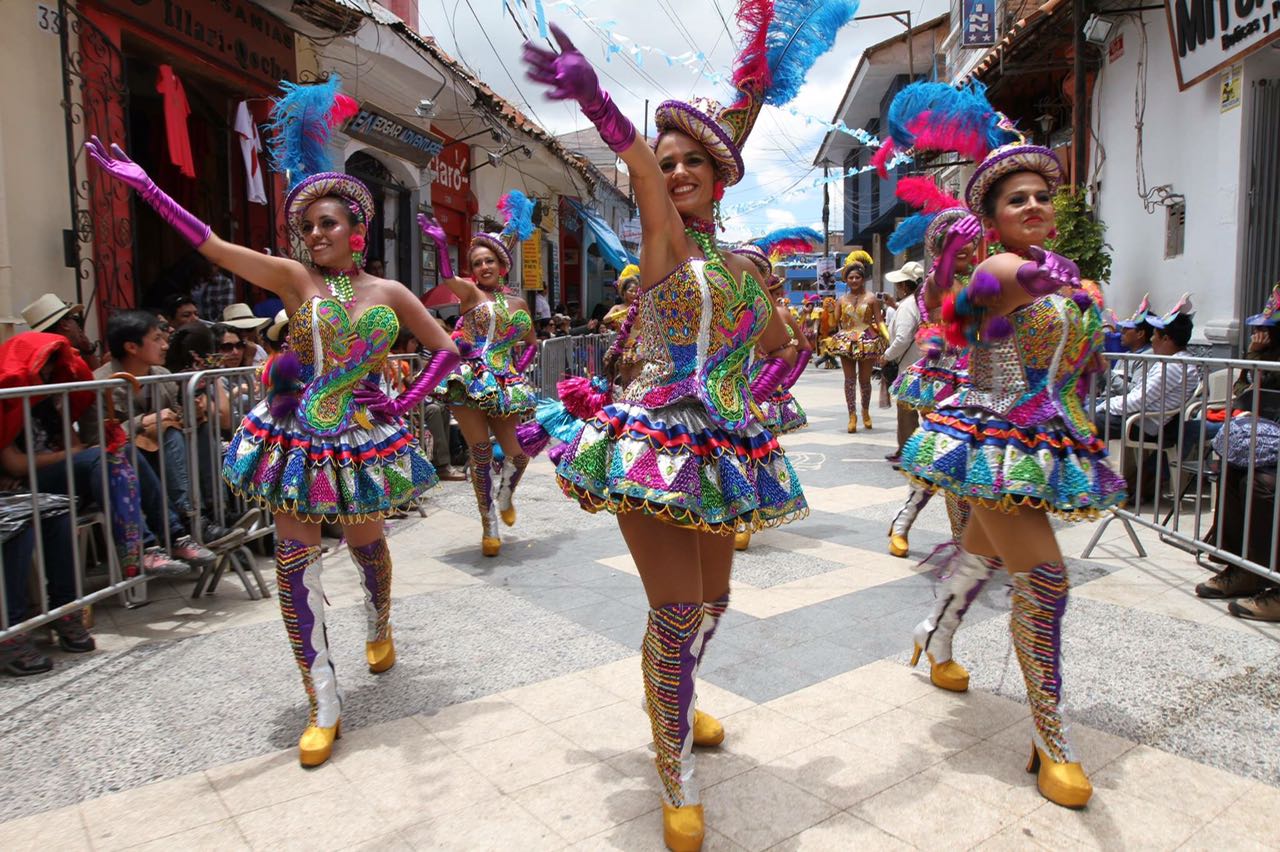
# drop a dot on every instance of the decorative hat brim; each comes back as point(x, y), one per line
point(1263, 319)
point(756, 255)
point(944, 220)
point(709, 133)
point(1164, 322)
point(495, 244)
point(1007, 160)
point(1132, 323)
point(325, 185)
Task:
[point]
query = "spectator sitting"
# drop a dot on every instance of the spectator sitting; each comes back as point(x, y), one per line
point(240, 317)
point(138, 347)
point(180, 310)
point(1135, 336)
point(434, 414)
point(276, 334)
point(51, 314)
point(231, 346)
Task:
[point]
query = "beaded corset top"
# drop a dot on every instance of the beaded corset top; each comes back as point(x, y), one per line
point(490, 331)
point(696, 329)
point(335, 356)
point(854, 317)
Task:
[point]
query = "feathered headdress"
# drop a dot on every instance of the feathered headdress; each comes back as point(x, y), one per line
point(781, 41)
point(629, 271)
point(785, 242)
point(857, 256)
point(517, 216)
point(930, 199)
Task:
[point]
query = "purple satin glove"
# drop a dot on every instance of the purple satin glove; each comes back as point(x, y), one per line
point(369, 395)
point(770, 377)
point(431, 229)
point(1047, 272)
point(441, 365)
point(525, 359)
point(571, 77)
point(959, 235)
point(802, 361)
point(117, 164)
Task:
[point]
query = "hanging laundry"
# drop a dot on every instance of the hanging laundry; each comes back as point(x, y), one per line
point(176, 110)
point(251, 147)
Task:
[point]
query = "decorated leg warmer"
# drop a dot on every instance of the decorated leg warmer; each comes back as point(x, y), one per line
point(374, 562)
point(917, 497)
point(1039, 601)
point(851, 395)
point(864, 381)
point(482, 484)
point(957, 514)
point(969, 573)
point(509, 472)
point(302, 605)
point(672, 645)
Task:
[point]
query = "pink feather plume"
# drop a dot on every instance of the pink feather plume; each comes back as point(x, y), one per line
point(344, 107)
point(924, 194)
point(754, 19)
point(959, 136)
point(882, 157)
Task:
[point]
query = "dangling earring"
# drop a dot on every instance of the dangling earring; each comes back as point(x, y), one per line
point(1053, 233)
point(715, 213)
point(991, 235)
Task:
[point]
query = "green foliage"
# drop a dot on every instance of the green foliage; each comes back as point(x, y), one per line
point(1080, 235)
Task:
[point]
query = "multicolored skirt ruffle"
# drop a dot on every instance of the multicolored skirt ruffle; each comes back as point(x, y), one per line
point(783, 413)
point(929, 381)
point(676, 464)
point(859, 346)
point(359, 475)
point(983, 458)
point(476, 386)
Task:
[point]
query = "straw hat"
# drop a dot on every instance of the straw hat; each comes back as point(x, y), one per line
point(47, 311)
point(240, 315)
point(278, 326)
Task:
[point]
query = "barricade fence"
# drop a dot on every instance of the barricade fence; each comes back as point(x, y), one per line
point(102, 479)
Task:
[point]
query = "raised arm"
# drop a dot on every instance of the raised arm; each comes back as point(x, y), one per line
point(286, 278)
point(464, 289)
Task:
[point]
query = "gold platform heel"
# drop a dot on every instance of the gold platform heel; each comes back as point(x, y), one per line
point(1063, 784)
point(380, 655)
point(683, 828)
point(707, 730)
point(742, 540)
point(898, 545)
point(316, 744)
point(853, 423)
point(866, 419)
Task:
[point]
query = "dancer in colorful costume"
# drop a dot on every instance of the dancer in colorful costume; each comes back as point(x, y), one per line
point(781, 412)
point(1015, 441)
point(323, 445)
point(489, 393)
point(939, 372)
point(859, 338)
point(680, 455)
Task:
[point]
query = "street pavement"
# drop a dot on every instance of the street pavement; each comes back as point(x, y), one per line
point(513, 717)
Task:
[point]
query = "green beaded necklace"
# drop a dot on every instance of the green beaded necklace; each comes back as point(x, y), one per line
point(339, 284)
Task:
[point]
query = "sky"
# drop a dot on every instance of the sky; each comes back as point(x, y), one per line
point(780, 151)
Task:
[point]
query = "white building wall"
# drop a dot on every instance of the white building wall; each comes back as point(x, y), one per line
point(1191, 145)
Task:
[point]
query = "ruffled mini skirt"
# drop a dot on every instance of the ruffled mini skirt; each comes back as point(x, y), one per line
point(982, 457)
point(929, 381)
point(476, 386)
point(361, 474)
point(675, 463)
point(783, 413)
point(859, 346)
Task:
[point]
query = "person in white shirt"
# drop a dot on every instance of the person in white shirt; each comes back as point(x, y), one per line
point(902, 341)
point(1135, 336)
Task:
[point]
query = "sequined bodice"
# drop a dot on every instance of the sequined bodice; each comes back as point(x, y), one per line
point(490, 332)
point(336, 355)
point(696, 329)
point(1034, 373)
point(854, 317)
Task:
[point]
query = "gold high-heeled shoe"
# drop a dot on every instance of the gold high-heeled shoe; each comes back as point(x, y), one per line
point(853, 423)
point(316, 743)
point(508, 516)
point(898, 546)
point(866, 419)
point(490, 546)
point(741, 540)
point(707, 730)
point(683, 828)
point(380, 655)
point(1063, 784)
point(948, 675)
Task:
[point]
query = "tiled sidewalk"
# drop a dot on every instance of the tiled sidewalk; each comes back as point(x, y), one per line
point(513, 718)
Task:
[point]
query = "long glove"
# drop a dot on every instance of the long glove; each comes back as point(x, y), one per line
point(571, 77)
point(432, 230)
point(960, 234)
point(802, 361)
point(117, 164)
point(525, 360)
point(441, 364)
point(1046, 272)
point(771, 374)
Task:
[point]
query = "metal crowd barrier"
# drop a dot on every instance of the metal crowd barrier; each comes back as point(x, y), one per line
point(565, 357)
point(1216, 503)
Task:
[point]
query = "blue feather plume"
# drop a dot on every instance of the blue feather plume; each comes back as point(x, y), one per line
point(964, 117)
point(801, 31)
point(809, 235)
point(910, 232)
point(517, 210)
point(300, 130)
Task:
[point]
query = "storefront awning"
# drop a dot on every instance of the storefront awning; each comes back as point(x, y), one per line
point(615, 254)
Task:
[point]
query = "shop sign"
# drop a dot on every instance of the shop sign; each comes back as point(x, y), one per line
point(1210, 35)
point(388, 133)
point(450, 180)
point(979, 21)
point(236, 34)
point(531, 264)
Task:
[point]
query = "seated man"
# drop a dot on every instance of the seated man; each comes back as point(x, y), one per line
point(51, 314)
point(138, 346)
point(1135, 336)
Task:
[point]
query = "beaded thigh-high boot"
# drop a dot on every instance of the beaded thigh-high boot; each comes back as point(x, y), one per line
point(851, 402)
point(508, 473)
point(957, 514)
point(482, 484)
point(707, 730)
point(969, 573)
point(917, 497)
point(374, 562)
point(302, 604)
point(669, 660)
point(864, 381)
point(1039, 602)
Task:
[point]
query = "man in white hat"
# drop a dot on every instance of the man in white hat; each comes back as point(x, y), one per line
point(242, 318)
point(902, 350)
point(54, 316)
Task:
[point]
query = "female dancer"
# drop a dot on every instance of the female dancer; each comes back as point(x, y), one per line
point(940, 370)
point(1015, 441)
point(857, 340)
point(680, 456)
point(628, 287)
point(314, 450)
point(489, 393)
